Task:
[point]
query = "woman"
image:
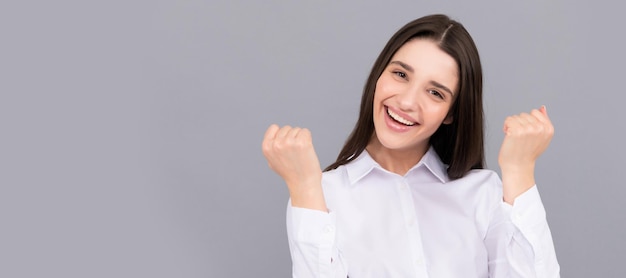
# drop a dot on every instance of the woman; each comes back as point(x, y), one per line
point(407, 196)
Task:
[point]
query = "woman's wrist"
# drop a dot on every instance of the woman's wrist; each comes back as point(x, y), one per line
point(517, 179)
point(310, 196)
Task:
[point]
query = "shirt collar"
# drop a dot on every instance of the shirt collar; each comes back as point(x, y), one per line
point(434, 164)
point(364, 163)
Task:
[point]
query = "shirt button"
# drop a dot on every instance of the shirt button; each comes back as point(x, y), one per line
point(411, 222)
point(403, 186)
point(419, 262)
point(328, 229)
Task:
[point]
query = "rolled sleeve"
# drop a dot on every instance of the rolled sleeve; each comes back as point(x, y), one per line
point(311, 236)
point(528, 215)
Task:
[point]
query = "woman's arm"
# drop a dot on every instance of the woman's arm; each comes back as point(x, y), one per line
point(526, 137)
point(519, 239)
point(312, 244)
point(290, 153)
point(310, 227)
point(519, 242)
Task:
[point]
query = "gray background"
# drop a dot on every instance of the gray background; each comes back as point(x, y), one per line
point(131, 130)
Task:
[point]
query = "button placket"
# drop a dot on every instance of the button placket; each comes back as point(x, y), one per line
point(412, 226)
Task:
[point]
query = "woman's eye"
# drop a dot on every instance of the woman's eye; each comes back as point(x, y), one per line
point(435, 93)
point(401, 74)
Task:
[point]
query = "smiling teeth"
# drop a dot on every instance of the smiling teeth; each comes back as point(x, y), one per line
point(399, 119)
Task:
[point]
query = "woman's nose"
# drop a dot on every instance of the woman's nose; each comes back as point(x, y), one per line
point(408, 100)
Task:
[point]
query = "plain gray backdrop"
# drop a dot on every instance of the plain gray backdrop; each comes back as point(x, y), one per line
point(130, 131)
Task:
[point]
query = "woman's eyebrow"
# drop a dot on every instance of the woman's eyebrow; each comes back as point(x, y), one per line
point(441, 86)
point(404, 65)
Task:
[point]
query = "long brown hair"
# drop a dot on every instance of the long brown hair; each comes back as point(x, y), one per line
point(459, 144)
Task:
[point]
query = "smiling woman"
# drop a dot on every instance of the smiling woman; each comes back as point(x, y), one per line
point(408, 195)
point(411, 103)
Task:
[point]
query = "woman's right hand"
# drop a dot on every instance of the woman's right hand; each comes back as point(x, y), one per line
point(290, 153)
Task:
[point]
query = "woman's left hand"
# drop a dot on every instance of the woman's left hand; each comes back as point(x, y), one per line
point(526, 137)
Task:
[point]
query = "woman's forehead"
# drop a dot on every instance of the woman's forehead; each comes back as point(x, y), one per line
point(425, 58)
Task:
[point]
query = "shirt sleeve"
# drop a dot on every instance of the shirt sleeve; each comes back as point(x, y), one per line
point(312, 243)
point(519, 241)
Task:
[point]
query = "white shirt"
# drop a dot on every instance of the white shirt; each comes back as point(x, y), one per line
point(422, 224)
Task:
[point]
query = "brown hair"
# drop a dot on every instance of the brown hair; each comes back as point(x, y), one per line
point(459, 144)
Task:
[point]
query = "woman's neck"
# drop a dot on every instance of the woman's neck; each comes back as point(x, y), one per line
point(398, 161)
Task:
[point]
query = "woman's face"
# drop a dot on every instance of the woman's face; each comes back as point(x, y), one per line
point(413, 95)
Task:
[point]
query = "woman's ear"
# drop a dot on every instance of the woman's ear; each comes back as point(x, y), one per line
point(448, 120)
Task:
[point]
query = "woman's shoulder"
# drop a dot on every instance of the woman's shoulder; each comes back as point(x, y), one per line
point(350, 172)
point(338, 175)
point(482, 185)
point(482, 177)
point(482, 172)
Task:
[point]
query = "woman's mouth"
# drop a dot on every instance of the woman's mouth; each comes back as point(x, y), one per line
point(399, 119)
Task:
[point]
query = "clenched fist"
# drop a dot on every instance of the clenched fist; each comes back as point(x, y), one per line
point(289, 152)
point(526, 137)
